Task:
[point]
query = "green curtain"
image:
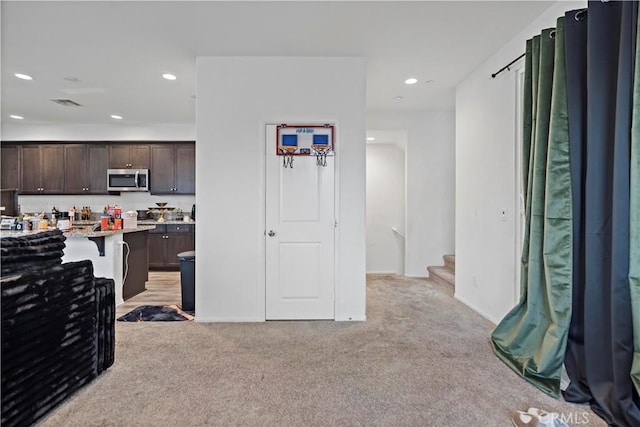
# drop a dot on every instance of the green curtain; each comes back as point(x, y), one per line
point(634, 234)
point(532, 337)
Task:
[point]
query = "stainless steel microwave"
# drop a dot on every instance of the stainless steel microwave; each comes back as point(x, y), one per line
point(128, 179)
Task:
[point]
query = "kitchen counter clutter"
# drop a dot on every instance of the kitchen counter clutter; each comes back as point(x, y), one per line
point(140, 222)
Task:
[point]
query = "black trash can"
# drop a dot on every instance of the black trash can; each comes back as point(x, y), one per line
point(188, 279)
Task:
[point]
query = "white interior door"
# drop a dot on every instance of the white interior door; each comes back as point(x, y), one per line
point(300, 224)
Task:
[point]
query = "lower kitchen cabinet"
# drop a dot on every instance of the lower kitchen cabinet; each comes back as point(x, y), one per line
point(167, 241)
point(136, 260)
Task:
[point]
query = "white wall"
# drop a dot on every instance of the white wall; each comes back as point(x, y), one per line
point(95, 132)
point(236, 97)
point(430, 185)
point(485, 177)
point(385, 208)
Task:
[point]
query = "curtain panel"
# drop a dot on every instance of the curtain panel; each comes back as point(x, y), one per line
point(580, 281)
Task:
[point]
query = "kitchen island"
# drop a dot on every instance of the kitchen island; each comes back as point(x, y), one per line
point(121, 255)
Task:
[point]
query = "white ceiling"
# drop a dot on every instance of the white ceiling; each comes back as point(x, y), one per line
point(118, 50)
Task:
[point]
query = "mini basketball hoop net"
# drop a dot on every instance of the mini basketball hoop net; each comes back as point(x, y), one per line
point(288, 147)
point(287, 156)
point(320, 147)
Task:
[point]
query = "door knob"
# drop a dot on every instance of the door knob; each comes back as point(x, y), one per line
point(271, 233)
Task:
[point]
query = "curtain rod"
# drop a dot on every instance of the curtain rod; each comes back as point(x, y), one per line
point(506, 67)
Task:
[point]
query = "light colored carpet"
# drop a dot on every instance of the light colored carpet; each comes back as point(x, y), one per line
point(421, 359)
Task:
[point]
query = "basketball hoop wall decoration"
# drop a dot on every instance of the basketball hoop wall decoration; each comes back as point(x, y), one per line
point(305, 141)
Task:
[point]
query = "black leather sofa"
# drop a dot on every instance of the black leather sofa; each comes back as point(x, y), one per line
point(57, 325)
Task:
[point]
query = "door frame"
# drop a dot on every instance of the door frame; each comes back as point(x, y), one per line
point(262, 170)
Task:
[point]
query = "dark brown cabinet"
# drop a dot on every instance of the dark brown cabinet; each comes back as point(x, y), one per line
point(42, 170)
point(86, 169)
point(10, 178)
point(167, 241)
point(81, 168)
point(173, 169)
point(137, 261)
point(122, 156)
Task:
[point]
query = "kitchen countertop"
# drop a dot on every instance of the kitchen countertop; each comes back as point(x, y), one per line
point(140, 222)
point(81, 232)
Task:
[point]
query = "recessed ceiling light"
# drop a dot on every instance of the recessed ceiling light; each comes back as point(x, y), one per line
point(429, 81)
point(370, 138)
point(23, 76)
point(17, 117)
point(117, 117)
point(398, 98)
point(169, 76)
point(411, 81)
point(73, 79)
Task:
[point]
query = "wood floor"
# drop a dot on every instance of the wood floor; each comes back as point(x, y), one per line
point(163, 288)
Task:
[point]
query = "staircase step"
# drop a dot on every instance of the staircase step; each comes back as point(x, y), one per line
point(450, 262)
point(442, 275)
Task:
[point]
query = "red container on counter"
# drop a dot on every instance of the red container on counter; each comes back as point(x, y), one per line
point(104, 222)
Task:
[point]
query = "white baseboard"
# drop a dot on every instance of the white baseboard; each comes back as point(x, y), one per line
point(476, 309)
point(203, 319)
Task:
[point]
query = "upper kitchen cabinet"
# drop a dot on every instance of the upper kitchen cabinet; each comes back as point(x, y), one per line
point(173, 168)
point(86, 171)
point(124, 156)
point(42, 169)
point(10, 156)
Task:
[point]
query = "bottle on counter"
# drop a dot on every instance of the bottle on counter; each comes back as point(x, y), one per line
point(72, 215)
point(54, 216)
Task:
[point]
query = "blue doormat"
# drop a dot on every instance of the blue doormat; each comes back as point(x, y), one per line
point(156, 313)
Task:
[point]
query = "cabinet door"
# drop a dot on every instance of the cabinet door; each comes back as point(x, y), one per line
point(31, 176)
point(98, 165)
point(139, 156)
point(118, 156)
point(185, 169)
point(75, 172)
point(176, 243)
point(10, 156)
point(53, 169)
point(156, 250)
point(162, 169)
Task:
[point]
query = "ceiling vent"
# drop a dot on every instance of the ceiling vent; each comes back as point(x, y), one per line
point(66, 102)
